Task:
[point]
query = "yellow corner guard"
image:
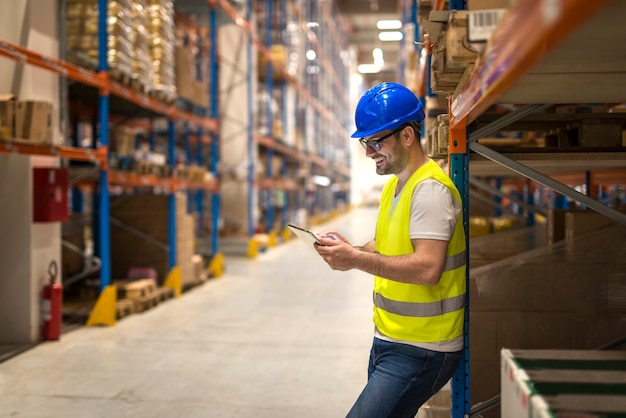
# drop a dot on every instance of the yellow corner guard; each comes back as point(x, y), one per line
point(271, 242)
point(216, 266)
point(174, 281)
point(104, 311)
point(253, 248)
point(286, 234)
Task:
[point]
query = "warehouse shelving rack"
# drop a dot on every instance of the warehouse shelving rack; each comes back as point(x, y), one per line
point(97, 88)
point(541, 53)
point(329, 114)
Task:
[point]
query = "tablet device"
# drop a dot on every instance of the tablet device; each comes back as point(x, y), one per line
point(307, 236)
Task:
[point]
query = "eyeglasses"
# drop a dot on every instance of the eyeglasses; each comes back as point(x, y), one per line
point(375, 143)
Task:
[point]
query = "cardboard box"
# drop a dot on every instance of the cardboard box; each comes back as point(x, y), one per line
point(123, 141)
point(184, 73)
point(7, 116)
point(33, 121)
point(200, 94)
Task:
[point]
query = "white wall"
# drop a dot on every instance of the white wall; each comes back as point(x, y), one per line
point(25, 248)
point(234, 159)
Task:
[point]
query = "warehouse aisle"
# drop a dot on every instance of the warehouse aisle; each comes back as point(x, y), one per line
point(278, 336)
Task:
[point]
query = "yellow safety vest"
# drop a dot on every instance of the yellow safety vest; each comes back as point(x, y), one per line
point(414, 312)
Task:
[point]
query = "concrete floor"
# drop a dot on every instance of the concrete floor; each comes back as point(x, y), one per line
point(278, 336)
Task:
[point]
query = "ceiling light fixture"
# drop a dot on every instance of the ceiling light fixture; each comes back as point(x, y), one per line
point(311, 55)
point(379, 59)
point(390, 36)
point(368, 68)
point(387, 24)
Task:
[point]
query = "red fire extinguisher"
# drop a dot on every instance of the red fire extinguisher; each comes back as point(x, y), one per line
point(52, 305)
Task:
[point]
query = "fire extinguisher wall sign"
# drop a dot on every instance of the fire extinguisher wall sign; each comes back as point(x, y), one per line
point(52, 304)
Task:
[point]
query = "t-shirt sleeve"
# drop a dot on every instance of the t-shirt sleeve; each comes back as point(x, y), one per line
point(434, 211)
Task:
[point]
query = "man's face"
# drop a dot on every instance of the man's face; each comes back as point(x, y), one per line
point(391, 158)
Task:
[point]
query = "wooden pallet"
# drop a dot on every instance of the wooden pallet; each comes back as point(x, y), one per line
point(121, 77)
point(139, 86)
point(142, 294)
point(163, 96)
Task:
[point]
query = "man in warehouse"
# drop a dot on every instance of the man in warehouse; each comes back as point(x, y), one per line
point(417, 257)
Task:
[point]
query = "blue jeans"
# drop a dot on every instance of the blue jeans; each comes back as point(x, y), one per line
point(401, 378)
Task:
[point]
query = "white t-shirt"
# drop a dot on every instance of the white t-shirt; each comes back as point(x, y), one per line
point(434, 214)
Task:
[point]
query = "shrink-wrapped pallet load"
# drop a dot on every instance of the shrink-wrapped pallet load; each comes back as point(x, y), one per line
point(162, 48)
point(83, 39)
point(141, 64)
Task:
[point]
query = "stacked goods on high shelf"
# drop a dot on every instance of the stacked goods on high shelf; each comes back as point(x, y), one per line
point(83, 39)
point(192, 63)
point(142, 64)
point(188, 87)
point(28, 121)
point(452, 55)
point(140, 42)
point(458, 36)
point(162, 43)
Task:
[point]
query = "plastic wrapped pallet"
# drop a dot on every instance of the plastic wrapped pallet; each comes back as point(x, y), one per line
point(162, 42)
point(142, 65)
point(82, 35)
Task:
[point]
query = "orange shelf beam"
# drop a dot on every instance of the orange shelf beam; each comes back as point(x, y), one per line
point(128, 179)
point(71, 71)
point(522, 39)
point(73, 153)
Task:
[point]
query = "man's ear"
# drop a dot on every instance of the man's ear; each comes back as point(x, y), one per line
point(409, 135)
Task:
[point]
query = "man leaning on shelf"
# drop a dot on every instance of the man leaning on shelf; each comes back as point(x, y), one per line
point(417, 257)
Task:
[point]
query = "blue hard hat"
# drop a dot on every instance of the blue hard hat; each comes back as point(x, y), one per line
point(386, 106)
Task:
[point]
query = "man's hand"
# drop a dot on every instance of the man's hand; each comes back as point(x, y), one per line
point(336, 250)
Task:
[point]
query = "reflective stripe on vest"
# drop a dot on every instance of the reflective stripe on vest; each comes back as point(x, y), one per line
point(420, 309)
point(453, 262)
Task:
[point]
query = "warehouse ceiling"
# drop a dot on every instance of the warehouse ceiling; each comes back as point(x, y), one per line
point(361, 17)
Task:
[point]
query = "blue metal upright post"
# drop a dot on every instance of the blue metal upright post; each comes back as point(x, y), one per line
point(213, 102)
point(188, 160)
point(459, 172)
point(251, 226)
point(269, 85)
point(200, 192)
point(172, 197)
point(104, 238)
point(284, 107)
point(497, 199)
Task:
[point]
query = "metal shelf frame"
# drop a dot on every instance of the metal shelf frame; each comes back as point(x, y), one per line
point(327, 114)
point(529, 34)
point(97, 87)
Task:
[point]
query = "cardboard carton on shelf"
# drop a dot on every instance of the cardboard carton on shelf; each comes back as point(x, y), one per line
point(7, 116)
point(33, 121)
